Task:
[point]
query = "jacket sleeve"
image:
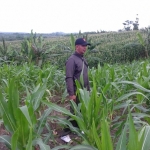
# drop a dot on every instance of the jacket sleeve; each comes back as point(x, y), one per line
point(70, 69)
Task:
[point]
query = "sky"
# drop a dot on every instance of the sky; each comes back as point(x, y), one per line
point(69, 16)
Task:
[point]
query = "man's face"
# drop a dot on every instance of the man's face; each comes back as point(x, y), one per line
point(80, 49)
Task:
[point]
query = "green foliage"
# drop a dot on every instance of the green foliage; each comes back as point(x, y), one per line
point(93, 118)
point(72, 42)
point(111, 47)
point(6, 53)
point(34, 50)
point(102, 113)
point(21, 121)
point(31, 76)
point(145, 43)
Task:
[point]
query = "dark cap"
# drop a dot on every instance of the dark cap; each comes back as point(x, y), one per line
point(81, 41)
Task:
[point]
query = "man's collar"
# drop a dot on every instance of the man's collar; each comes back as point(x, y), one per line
point(77, 54)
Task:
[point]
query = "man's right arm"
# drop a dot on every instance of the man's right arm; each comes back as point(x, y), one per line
point(70, 69)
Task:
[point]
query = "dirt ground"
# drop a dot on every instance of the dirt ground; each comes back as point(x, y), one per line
point(52, 143)
point(54, 127)
point(3, 132)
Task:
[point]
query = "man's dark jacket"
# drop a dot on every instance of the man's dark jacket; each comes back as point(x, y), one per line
point(74, 66)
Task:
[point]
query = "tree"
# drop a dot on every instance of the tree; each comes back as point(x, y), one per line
point(127, 24)
point(136, 24)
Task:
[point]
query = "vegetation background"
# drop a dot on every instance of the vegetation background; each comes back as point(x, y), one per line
point(33, 97)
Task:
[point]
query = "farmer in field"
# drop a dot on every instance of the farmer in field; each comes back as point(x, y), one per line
point(74, 66)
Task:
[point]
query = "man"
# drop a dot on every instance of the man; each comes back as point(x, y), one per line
point(74, 66)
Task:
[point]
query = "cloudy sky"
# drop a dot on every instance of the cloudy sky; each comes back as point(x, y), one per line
point(46, 16)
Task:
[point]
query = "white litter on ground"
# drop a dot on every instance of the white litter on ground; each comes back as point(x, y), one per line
point(66, 138)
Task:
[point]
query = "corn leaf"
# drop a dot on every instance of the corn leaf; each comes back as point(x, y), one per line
point(146, 143)
point(96, 136)
point(6, 140)
point(24, 129)
point(140, 39)
point(24, 110)
point(14, 140)
point(121, 144)
point(133, 136)
point(9, 121)
point(42, 120)
point(106, 142)
point(41, 144)
point(29, 142)
point(37, 96)
point(83, 147)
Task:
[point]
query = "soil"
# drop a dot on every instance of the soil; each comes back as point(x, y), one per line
point(54, 127)
point(3, 132)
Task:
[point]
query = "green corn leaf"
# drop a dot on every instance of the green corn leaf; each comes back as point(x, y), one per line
point(140, 39)
point(6, 140)
point(29, 142)
point(42, 120)
point(81, 75)
point(41, 144)
point(96, 136)
point(24, 110)
point(146, 143)
point(14, 140)
point(133, 136)
point(105, 135)
point(13, 101)
point(122, 105)
point(36, 88)
point(125, 96)
point(61, 147)
point(57, 108)
point(8, 121)
point(24, 128)
point(37, 96)
point(138, 86)
point(93, 107)
point(84, 97)
point(31, 113)
point(83, 147)
point(76, 108)
point(67, 123)
point(79, 117)
point(141, 137)
point(121, 144)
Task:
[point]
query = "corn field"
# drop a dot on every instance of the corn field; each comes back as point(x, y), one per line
point(114, 115)
point(115, 47)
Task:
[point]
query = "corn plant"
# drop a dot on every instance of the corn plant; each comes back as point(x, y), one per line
point(144, 43)
point(91, 116)
point(132, 139)
point(29, 76)
point(20, 121)
point(7, 54)
point(34, 50)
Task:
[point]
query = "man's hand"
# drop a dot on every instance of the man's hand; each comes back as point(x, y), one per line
point(73, 97)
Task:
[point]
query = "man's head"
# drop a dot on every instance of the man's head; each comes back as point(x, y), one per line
point(81, 45)
point(81, 41)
